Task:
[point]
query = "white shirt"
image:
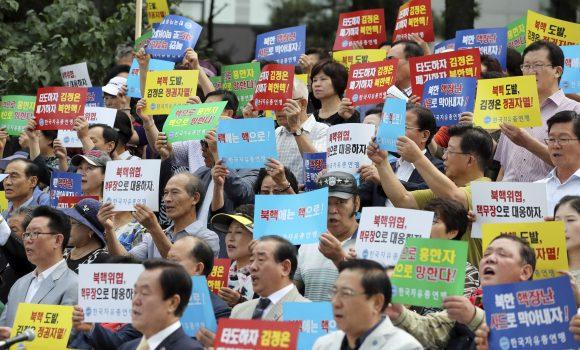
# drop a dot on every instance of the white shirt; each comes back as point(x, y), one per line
point(160, 336)
point(39, 278)
point(4, 231)
point(556, 190)
point(128, 156)
point(405, 169)
point(277, 296)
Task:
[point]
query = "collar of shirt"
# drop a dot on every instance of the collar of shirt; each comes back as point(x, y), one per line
point(191, 229)
point(557, 98)
point(156, 339)
point(278, 295)
point(125, 155)
point(552, 176)
point(401, 161)
point(46, 273)
point(24, 205)
point(360, 340)
point(307, 126)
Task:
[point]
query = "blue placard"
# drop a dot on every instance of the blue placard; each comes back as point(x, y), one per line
point(283, 45)
point(199, 311)
point(314, 163)
point(63, 184)
point(444, 46)
point(95, 97)
point(174, 35)
point(489, 41)
point(392, 124)
point(447, 98)
point(317, 321)
point(530, 315)
point(300, 218)
point(246, 143)
point(570, 81)
point(133, 80)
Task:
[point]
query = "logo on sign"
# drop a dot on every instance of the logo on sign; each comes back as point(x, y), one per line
point(344, 43)
point(504, 343)
point(487, 119)
point(354, 98)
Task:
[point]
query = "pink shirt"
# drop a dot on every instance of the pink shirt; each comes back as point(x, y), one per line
point(519, 164)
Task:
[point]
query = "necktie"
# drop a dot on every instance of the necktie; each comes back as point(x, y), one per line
point(143, 345)
point(259, 311)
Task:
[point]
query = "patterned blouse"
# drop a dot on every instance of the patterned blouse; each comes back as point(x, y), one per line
point(241, 281)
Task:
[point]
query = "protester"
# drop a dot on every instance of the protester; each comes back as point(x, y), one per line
point(20, 186)
point(91, 165)
point(568, 211)
point(403, 50)
point(276, 180)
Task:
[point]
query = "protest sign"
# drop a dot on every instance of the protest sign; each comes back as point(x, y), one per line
point(199, 311)
point(447, 98)
point(503, 202)
point(167, 88)
point(95, 97)
point(530, 315)
point(283, 46)
point(507, 100)
point(15, 112)
point(172, 38)
point(57, 107)
point(242, 80)
point(489, 41)
point(547, 239)
point(300, 218)
point(3, 201)
point(246, 143)
point(414, 17)
point(218, 278)
point(347, 147)
point(51, 324)
point(217, 81)
point(368, 82)
point(192, 121)
point(447, 45)
point(392, 126)
point(461, 63)
point(316, 319)
point(274, 87)
point(75, 75)
point(64, 184)
point(428, 271)
point(540, 27)
point(358, 29)
point(134, 78)
point(130, 182)
point(570, 81)
point(93, 115)
point(106, 291)
point(143, 40)
point(314, 164)
point(156, 10)
point(234, 334)
point(383, 231)
point(516, 32)
point(349, 57)
point(70, 201)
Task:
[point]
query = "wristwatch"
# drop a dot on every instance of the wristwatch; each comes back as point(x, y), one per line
point(298, 132)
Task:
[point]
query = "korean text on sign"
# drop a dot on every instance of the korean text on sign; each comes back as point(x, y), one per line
point(93, 115)
point(165, 89)
point(347, 147)
point(173, 37)
point(130, 182)
point(316, 320)
point(233, 334)
point(274, 87)
point(15, 112)
point(516, 32)
point(349, 57)
point(489, 41)
point(448, 98)
point(561, 33)
point(134, 78)
point(199, 311)
point(242, 80)
point(76, 75)
point(283, 46)
point(392, 126)
point(360, 29)
point(192, 121)
point(64, 184)
point(218, 278)
point(57, 107)
point(156, 10)
point(570, 81)
point(314, 164)
point(368, 82)
point(414, 17)
point(51, 323)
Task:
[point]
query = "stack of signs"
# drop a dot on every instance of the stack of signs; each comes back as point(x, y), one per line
point(173, 37)
point(192, 121)
point(489, 41)
point(507, 100)
point(561, 33)
point(300, 218)
point(241, 79)
point(384, 230)
point(130, 182)
point(415, 18)
point(392, 124)
point(283, 46)
point(93, 115)
point(156, 10)
point(235, 334)
point(52, 325)
point(95, 97)
point(507, 202)
point(15, 112)
point(428, 271)
point(570, 81)
point(134, 78)
point(317, 320)
point(76, 75)
point(368, 82)
point(218, 278)
point(314, 164)
point(199, 311)
point(448, 98)
point(63, 184)
point(516, 32)
point(361, 29)
point(57, 107)
point(274, 87)
point(531, 314)
point(349, 57)
point(167, 88)
point(347, 147)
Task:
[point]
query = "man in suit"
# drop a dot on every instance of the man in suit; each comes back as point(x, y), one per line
point(360, 295)
point(52, 282)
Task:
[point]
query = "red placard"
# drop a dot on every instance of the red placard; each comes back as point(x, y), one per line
point(368, 82)
point(274, 87)
point(461, 63)
point(57, 107)
point(256, 334)
point(415, 17)
point(360, 30)
point(219, 275)
point(70, 201)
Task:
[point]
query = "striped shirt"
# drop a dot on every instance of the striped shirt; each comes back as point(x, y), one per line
point(188, 154)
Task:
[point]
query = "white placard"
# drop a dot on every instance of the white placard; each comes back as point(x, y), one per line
point(94, 115)
point(130, 182)
point(75, 75)
point(347, 147)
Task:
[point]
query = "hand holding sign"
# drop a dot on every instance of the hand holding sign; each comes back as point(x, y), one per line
point(459, 309)
point(78, 320)
point(219, 173)
point(376, 154)
point(163, 147)
point(293, 109)
point(345, 108)
point(408, 149)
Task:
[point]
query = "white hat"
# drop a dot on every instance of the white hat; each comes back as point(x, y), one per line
point(114, 86)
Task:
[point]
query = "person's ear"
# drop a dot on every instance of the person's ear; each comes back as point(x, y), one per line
point(452, 234)
point(33, 181)
point(286, 267)
point(199, 267)
point(527, 272)
point(559, 71)
point(174, 303)
point(378, 302)
point(196, 197)
point(229, 113)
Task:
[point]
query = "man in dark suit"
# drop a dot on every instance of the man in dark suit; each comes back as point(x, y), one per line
point(420, 127)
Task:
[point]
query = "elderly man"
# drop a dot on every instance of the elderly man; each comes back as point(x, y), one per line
point(20, 186)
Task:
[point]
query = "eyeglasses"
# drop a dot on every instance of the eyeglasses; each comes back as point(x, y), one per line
point(534, 67)
point(34, 235)
point(551, 141)
point(412, 128)
point(343, 293)
point(454, 152)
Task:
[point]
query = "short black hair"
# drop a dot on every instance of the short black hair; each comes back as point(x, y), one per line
point(513, 62)
point(50, 134)
point(574, 202)
point(121, 259)
point(425, 120)
point(555, 53)
point(491, 63)
point(412, 49)
point(123, 127)
point(566, 117)
point(374, 110)
point(452, 213)
point(228, 96)
point(58, 222)
point(109, 134)
point(385, 43)
point(321, 52)
point(31, 168)
point(374, 277)
point(287, 172)
point(526, 252)
point(490, 74)
point(202, 253)
point(474, 140)
point(173, 280)
point(284, 251)
point(336, 71)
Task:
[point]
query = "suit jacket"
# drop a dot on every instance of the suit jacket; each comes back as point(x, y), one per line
point(60, 288)
point(385, 336)
point(246, 309)
point(18, 265)
point(177, 340)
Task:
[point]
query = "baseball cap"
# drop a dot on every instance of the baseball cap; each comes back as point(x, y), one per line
point(340, 184)
point(94, 157)
point(221, 222)
point(85, 212)
point(114, 85)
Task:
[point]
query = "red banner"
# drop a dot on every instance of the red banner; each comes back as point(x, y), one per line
point(461, 63)
point(415, 17)
point(57, 107)
point(234, 334)
point(219, 275)
point(70, 201)
point(368, 82)
point(360, 30)
point(274, 87)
